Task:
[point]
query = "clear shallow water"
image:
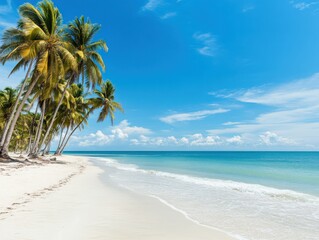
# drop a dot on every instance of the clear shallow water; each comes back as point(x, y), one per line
point(251, 195)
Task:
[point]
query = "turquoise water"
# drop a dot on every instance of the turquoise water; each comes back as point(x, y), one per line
point(249, 195)
point(285, 170)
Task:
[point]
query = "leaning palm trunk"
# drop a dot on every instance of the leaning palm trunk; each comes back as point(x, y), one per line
point(31, 129)
point(54, 114)
point(34, 149)
point(61, 134)
point(67, 140)
point(7, 126)
point(5, 148)
point(58, 150)
point(61, 149)
point(46, 149)
point(31, 104)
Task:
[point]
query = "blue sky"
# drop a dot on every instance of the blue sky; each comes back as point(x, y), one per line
point(202, 75)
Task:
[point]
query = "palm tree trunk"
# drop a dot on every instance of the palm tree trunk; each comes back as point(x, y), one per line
point(67, 140)
point(22, 137)
point(5, 147)
point(31, 129)
point(44, 149)
point(6, 128)
point(61, 134)
point(16, 147)
point(31, 104)
point(64, 144)
point(38, 135)
point(55, 113)
point(47, 149)
point(57, 152)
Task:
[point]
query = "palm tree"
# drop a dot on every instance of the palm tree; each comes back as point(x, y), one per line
point(80, 35)
point(8, 97)
point(60, 96)
point(19, 140)
point(53, 57)
point(34, 119)
point(104, 100)
point(33, 150)
point(70, 117)
point(16, 46)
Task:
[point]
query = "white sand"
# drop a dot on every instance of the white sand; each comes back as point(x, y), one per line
point(70, 202)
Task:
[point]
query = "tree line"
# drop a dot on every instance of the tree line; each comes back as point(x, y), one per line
point(63, 82)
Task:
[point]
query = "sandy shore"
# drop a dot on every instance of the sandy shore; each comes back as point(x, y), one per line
point(69, 201)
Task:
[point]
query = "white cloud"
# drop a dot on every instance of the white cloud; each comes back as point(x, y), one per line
point(195, 140)
point(235, 139)
point(294, 112)
point(151, 5)
point(100, 138)
point(302, 5)
point(191, 116)
point(271, 138)
point(144, 138)
point(209, 46)
point(291, 120)
point(172, 139)
point(290, 116)
point(168, 15)
point(200, 140)
point(230, 123)
point(248, 8)
point(295, 94)
point(94, 139)
point(184, 140)
point(134, 141)
point(121, 132)
point(164, 9)
point(124, 130)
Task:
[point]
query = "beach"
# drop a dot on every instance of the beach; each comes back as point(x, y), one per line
point(74, 199)
point(248, 195)
point(195, 121)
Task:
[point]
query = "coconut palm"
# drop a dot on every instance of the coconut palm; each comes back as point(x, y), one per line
point(42, 104)
point(48, 102)
point(16, 46)
point(104, 100)
point(19, 139)
point(34, 121)
point(80, 34)
point(53, 57)
point(8, 97)
point(74, 116)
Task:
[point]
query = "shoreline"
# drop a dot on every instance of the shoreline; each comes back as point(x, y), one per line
point(71, 201)
point(240, 210)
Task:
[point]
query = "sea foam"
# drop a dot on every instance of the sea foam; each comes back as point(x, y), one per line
point(243, 210)
point(217, 183)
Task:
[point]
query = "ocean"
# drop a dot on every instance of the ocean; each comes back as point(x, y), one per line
point(249, 195)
